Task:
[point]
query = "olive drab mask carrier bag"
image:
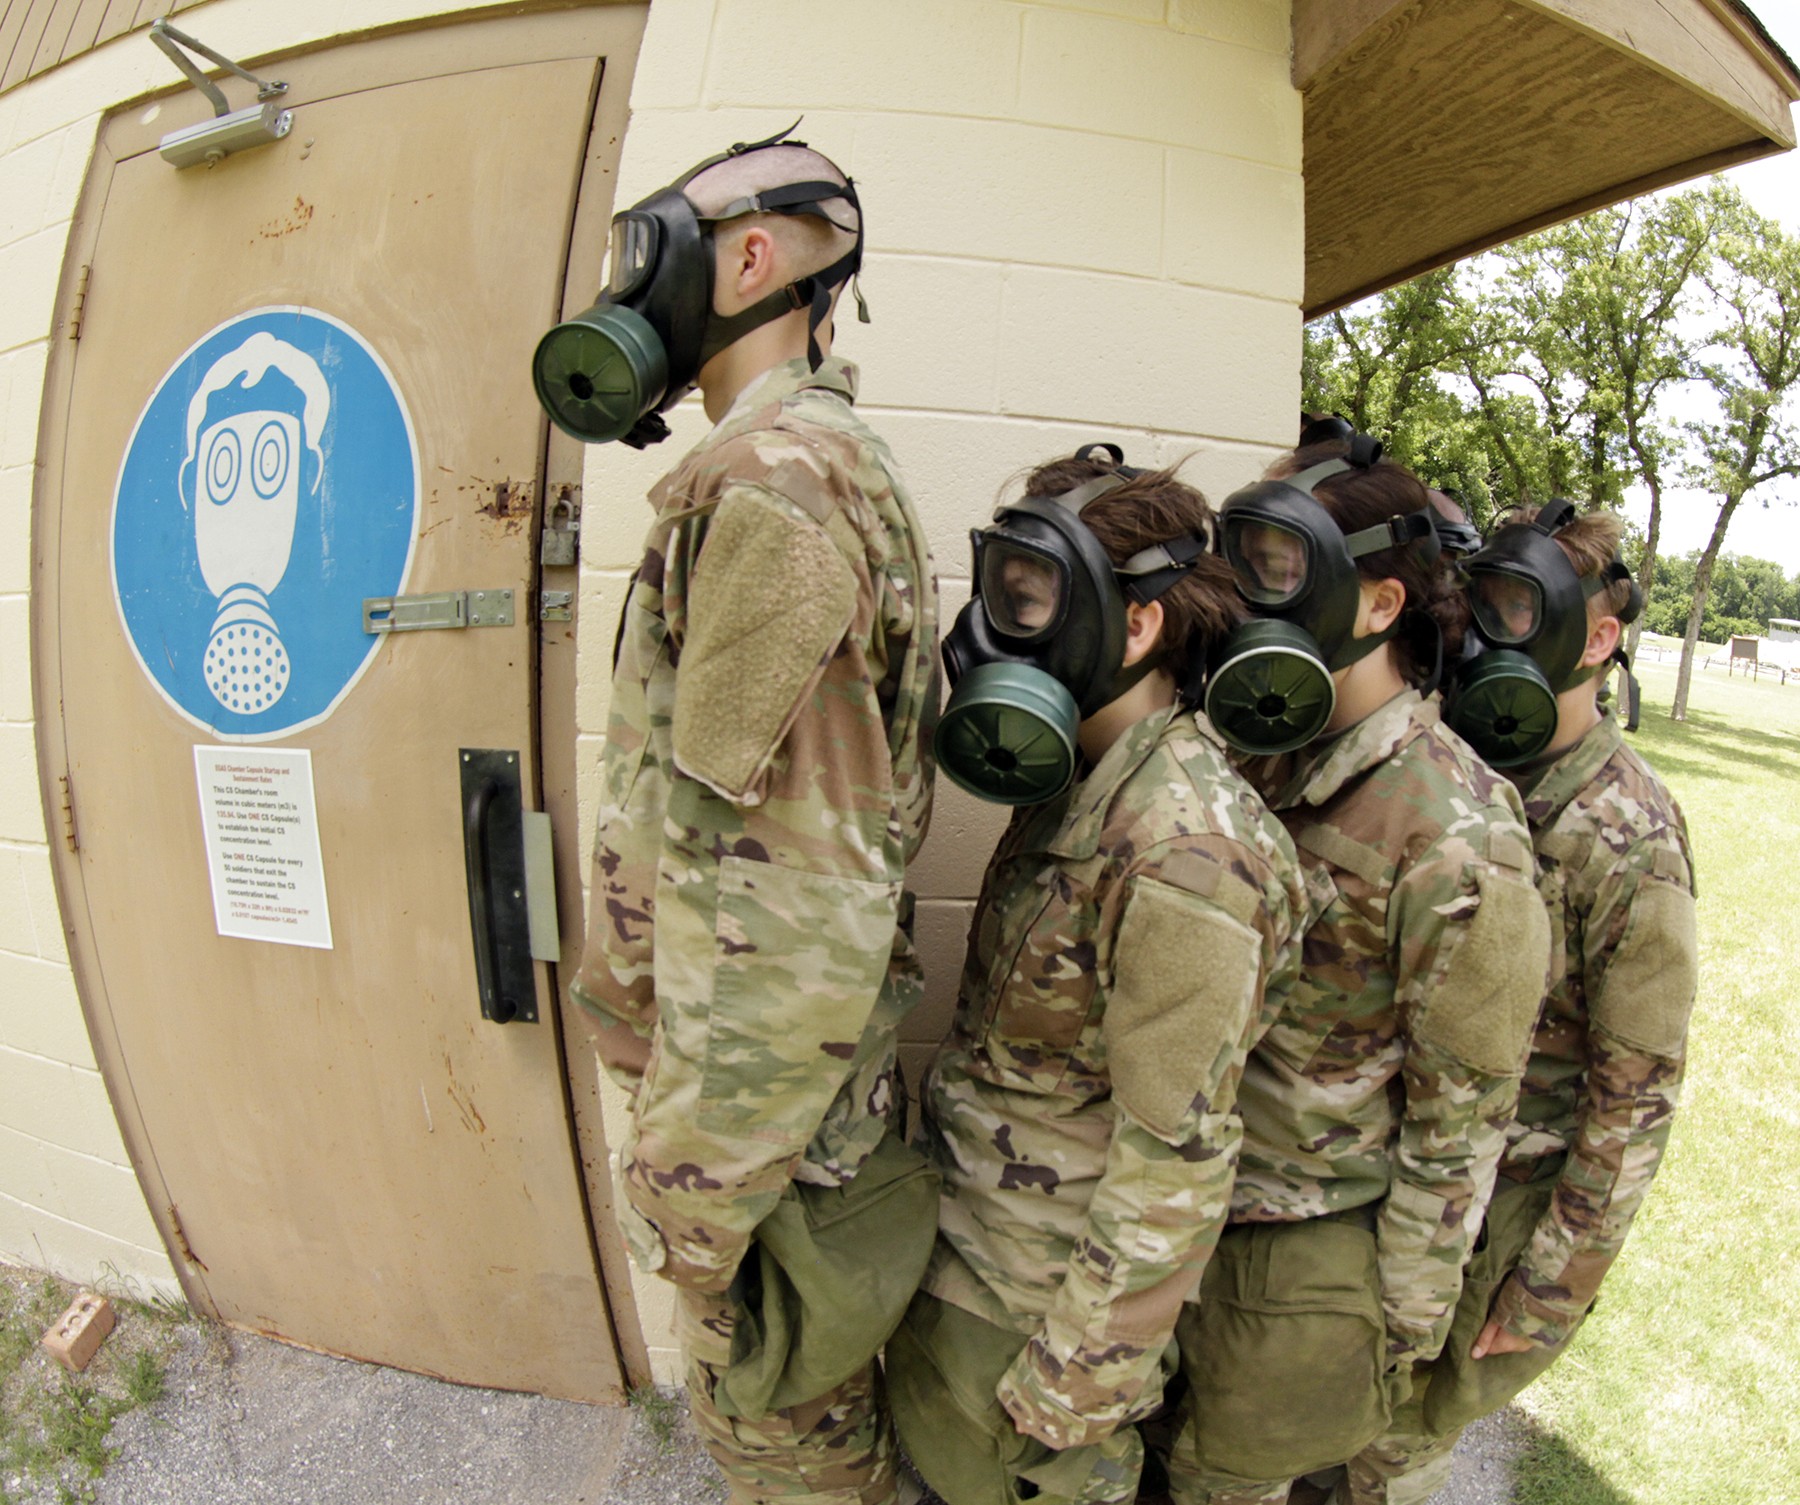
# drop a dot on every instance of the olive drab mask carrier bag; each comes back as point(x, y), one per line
point(826, 1281)
point(611, 372)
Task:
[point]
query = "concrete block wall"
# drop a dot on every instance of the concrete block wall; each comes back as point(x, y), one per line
point(1085, 222)
point(68, 1198)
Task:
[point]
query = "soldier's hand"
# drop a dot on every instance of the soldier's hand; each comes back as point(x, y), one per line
point(1496, 1339)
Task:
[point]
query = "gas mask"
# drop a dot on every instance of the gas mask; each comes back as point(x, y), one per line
point(1524, 648)
point(1270, 689)
point(611, 372)
point(1041, 646)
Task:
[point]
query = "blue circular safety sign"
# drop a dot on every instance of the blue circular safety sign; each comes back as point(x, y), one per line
point(271, 485)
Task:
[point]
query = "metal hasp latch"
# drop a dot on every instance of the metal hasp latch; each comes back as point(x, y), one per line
point(438, 609)
point(230, 130)
point(512, 884)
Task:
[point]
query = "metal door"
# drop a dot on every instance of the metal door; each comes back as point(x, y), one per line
point(339, 1148)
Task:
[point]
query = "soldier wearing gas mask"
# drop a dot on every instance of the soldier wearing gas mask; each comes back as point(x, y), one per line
point(1616, 875)
point(765, 780)
point(1136, 929)
point(1375, 1106)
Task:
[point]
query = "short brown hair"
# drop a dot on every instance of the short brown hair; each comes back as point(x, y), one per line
point(1591, 541)
point(1365, 496)
point(1199, 609)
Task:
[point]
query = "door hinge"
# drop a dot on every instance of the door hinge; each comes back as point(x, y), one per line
point(182, 1246)
point(78, 305)
point(68, 813)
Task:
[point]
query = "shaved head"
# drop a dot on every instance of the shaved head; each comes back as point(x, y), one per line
point(808, 243)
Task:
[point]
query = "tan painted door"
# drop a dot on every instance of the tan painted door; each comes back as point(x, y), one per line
point(339, 1148)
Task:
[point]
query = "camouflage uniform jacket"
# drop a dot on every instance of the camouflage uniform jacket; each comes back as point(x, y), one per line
point(1601, 1086)
point(1132, 938)
point(1392, 1072)
point(765, 780)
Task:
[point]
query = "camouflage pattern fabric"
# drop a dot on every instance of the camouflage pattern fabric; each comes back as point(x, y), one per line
point(749, 953)
point(1601, 1087)
point(1086, 1150)
point(1392, 1072)
point(836, 1449)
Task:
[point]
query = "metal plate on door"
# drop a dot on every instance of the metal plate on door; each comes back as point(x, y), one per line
point(438, 609)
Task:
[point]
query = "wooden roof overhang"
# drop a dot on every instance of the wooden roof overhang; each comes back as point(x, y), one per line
point(1438, 128)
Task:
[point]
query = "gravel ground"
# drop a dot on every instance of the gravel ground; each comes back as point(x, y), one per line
point(247, 1421)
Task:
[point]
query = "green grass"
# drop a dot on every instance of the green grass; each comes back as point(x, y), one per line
point(54, 1426)
point(1684, 1386)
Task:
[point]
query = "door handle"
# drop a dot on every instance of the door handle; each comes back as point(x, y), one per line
point(495, 1004)
point(495, 869)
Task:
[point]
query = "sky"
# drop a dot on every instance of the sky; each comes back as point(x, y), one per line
point(1767, 524)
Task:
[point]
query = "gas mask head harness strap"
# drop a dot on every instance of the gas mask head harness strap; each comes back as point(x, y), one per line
point(611, 372)
point(1528, 635)
point(1270, 689)
point(1041, 646)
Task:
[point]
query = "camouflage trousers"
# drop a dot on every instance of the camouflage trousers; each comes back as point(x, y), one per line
point(1284, 1354)
point(1411, 1461)
point(835, 1450)
point(943, 1366)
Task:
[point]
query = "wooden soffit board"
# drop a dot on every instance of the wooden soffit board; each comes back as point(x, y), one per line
point(1439, 128)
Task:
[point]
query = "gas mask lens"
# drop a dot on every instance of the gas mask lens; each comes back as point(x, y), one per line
point(1023, 590)
point(1508, 608)
point(631, 254)
point(1270, 560)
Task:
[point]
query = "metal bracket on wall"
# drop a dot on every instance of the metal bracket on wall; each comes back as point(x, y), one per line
point(438, 609)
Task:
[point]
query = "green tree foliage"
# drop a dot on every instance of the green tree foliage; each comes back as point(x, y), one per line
point(1746, 594)
point(1545, 368)
point(1752, 364)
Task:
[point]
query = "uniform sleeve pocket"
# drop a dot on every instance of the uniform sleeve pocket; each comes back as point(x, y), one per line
point(1647, 991)
point(1486, 1001)
point(798, 961)
point(1185, 982)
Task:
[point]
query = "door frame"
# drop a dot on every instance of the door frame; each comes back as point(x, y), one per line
point(613, 32)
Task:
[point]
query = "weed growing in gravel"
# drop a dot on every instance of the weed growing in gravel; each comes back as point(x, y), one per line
point(661, 1414)
point(54, 1426)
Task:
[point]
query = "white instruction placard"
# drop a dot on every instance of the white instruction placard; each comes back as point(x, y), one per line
point(262, 844)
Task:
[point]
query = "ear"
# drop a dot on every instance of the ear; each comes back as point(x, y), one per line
point(1603, 641)
point(1380, 607)
point(1143, 630)
point(746, 268)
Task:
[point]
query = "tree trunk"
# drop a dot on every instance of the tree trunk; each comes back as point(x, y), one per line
point(1702, 584)
point(1647, 565)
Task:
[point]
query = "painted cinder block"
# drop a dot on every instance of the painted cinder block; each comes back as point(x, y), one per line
point(39, 1096)
point(46, 915)
point(935, 333)
point(1234, 225)
point(21, 811)
point(1158, 85)
point(940, 930)
point(26, 179)
point(15, 527)
point(21, 397)
point(29, 269)
point(77, 1334)
point(1010, 192)
point(40, 1013)
point(1263, 24)
point(670, 67)
point(945, 57)
point(76, 1187)
point(15, 659)
point(1150, 354)
point(17, 933)
point(602, 600)
point(31, 1237)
